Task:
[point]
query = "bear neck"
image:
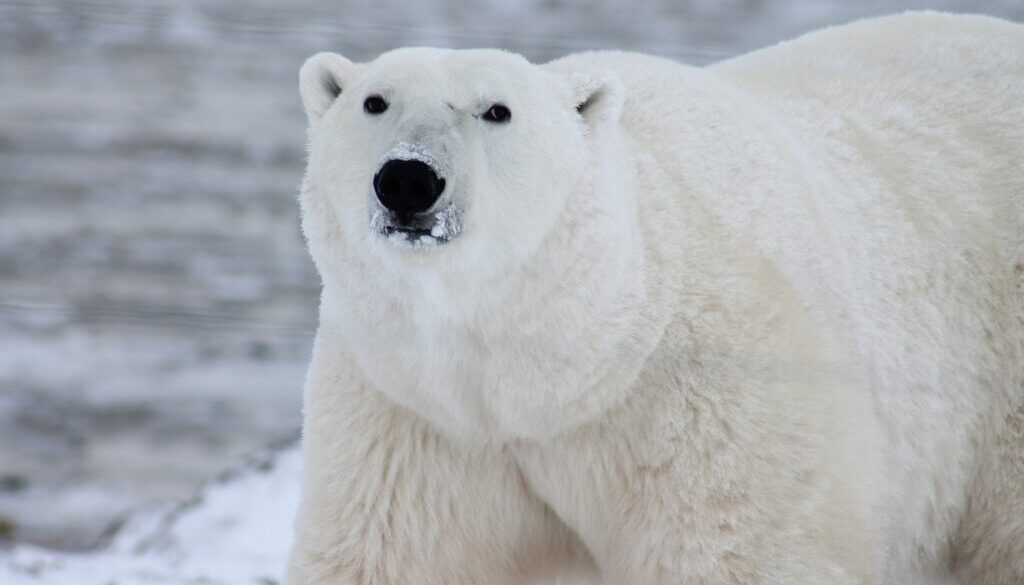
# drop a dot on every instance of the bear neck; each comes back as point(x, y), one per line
point(545, 348)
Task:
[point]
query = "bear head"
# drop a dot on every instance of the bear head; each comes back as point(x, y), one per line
point(465, 213)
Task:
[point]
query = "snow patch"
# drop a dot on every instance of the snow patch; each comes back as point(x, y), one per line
point(236, 532)
point(446, 223)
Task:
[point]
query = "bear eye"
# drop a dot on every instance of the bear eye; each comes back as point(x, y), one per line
point(375, 105)
point(498, 113)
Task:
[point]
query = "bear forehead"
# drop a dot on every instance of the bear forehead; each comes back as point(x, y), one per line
point(451, 65)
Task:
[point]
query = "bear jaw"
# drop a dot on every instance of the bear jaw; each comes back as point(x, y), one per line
point(422, 230)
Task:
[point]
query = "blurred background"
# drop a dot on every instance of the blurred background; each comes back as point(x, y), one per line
point(157, 306)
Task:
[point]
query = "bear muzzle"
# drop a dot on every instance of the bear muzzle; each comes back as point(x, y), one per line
point(405, 187)
point(410, 210)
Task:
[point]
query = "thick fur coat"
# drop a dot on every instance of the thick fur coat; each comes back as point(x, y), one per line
point(759, 322)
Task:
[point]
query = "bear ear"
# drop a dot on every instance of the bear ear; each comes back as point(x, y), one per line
point(321, 80)
point(597, 97)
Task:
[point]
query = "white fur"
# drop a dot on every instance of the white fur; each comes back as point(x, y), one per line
point(761, 322)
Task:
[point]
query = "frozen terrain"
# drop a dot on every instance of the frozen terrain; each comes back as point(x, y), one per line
point(156, 303)
point(233, 533)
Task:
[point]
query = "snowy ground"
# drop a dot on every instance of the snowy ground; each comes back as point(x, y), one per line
point(156, 302)
point(235, 532)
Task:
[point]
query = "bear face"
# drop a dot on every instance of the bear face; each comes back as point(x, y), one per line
point(467, 157)
point(448, 195)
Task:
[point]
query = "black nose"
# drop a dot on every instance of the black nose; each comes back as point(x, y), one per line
point(407, 186)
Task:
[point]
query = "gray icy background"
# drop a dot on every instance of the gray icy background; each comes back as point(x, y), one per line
point(156, 303)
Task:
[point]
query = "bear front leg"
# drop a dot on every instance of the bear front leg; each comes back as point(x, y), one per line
point(720, 488)
point(386, 500)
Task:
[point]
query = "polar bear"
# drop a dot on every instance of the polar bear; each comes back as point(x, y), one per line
point(618, 317)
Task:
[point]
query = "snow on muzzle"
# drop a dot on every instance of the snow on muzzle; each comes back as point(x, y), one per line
point(411, 211)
